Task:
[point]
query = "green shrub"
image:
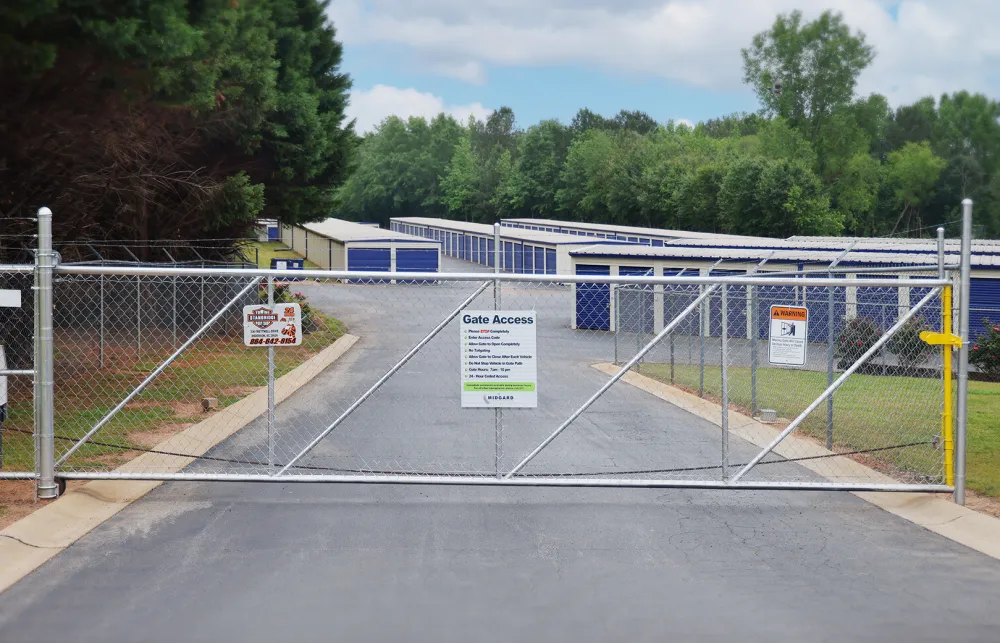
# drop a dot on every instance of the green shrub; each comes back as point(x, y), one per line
point(907, 346)
point(857, 336)
point(985, 350)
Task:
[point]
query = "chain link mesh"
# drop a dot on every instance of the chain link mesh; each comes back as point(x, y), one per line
point(206, 411)
point(17, 447)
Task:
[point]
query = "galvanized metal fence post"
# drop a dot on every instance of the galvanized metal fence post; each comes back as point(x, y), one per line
point(701, 345)
point(963, 352)
point(46, 488)
point(270, 384)
point(830, 311)
point(725, 382)
point(616, 306)
point(100, 349)
point(497, 412)
point(753, 350)
point(138, 318)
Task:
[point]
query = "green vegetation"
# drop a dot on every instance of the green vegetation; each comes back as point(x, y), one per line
point(177, 120)
point(222, 368)
point(817, 160)
point(870, 412)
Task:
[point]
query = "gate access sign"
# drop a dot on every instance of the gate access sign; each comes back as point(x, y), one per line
point(272, 325)
point(789, 336)
point(498, 359)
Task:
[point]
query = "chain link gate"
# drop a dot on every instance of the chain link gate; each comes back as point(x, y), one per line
point(676, 390)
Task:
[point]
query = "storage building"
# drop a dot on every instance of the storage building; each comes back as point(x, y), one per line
point(631, 234)
point(595, 303)
point(336, 244)
point(522, 251)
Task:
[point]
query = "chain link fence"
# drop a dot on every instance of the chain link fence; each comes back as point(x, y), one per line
point(190, 400)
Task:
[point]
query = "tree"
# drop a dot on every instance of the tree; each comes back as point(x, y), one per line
point(460, 182)
point(816, 63)
point(144, 120)
point(542, 150)
point(913, 172)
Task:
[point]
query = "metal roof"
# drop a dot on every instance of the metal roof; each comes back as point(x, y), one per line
point(894, 241)
point(506, 232)
point(654, 233)
point(778, 256)
point(834, 244)
point(350, 232)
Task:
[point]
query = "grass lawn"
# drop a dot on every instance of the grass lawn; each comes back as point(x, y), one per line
point(869, 412)
point(218, 367)
point(267, 250)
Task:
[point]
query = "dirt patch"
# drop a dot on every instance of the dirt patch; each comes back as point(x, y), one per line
point(17, 499)
point(187, 409)
point(144, 404)
point(982, 504)
point(149, 439)
point(238, 391)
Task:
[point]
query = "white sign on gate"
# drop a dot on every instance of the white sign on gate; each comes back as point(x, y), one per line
point(272, 325)
point(789, 336)
point(499, 359)
point(10, 298)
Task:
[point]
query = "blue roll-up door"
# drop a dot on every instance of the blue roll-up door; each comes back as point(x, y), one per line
point(817, 300)
point(529, 259)
point(508, 256)
point(931, 313)
point(416, 260)
point(736, 305)
point(518, 258)
point(539, 261)
point(369, 260)
point(636, 314)
point(676, 299)
point(490, 252)
point(474, 252)
point(984, 304)
point(879, 303)
point(482, 251)
point(550, 261)
point(593, 301)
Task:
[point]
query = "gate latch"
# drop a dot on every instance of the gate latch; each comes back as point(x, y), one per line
point(941, 339)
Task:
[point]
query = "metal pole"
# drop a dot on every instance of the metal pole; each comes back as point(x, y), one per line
point(753, 350)
point(669, 328)
point(618, 326)
point(830, 311)
point(940, 252)
point(876, 347)
point(46, 488)
point(138, 318)
point(173, 315)
point(725, 383)
point(270, 384)
point(382, 380)
point(159, 369)
point(701, 345)
point(672, 342)
point(963, 351)
point(100, 358)
point(497, 412)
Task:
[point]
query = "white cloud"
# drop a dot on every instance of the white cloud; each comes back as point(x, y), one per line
point(932, 47)
point(373, 106)
point(684, 121)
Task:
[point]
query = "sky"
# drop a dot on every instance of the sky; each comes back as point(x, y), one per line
point(673, 59)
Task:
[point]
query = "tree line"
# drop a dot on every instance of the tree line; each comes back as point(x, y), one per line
point(169, 119)
point(817, 159)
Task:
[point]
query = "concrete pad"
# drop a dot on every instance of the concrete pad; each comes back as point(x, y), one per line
point(36, 538)
point(931, 511)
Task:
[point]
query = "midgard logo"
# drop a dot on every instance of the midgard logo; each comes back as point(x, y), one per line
point(497, 319)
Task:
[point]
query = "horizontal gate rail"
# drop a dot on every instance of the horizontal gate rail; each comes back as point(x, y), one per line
point(519, 481)
point(360, 276)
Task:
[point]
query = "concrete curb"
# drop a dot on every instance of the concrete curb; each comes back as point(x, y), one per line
point(930, 511)
point(33, 540)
